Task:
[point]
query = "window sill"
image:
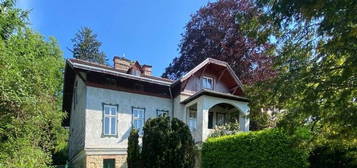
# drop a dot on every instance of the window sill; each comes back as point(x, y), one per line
point(109, 136)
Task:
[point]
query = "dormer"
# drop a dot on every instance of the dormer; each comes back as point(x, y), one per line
point(213, 75)
point(135, 69)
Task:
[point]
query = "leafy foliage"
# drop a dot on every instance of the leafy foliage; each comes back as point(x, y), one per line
point(30, 86)
point(133, 157)
point(60, 153)
point(260, 149)
point(86, 46)
point(167, 144)
point(316, 85)
point(30, 101)
point(226, 129)
point(182, 153)
point(10, 18)
point(215, 32)
point(264, 113)
point(329, 156)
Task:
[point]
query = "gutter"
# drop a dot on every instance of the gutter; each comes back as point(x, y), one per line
point(172, 102)
point(214, 94)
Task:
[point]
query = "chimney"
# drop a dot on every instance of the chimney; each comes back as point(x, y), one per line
point(147, 70)
point(121, 63)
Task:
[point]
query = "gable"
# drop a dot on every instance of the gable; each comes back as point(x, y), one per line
point(224, 78)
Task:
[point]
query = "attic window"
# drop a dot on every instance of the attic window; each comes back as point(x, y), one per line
point(135, 72)
point(207, 83)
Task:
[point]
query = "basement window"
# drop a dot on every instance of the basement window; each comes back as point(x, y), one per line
point(108, 163)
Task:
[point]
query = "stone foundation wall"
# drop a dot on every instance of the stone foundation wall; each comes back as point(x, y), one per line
point(96, 161)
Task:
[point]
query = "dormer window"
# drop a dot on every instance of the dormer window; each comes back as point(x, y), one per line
point(207, 83)
point(135, 72)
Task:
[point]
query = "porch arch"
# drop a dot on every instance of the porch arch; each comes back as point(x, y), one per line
point(241, 106)
point(223, 102)
point(210, 101)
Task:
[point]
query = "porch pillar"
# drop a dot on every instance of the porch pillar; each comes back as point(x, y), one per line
point(199, 120)
point(244, 122)
point(202, 117)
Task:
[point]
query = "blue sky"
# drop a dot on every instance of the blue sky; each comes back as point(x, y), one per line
point(145, 30)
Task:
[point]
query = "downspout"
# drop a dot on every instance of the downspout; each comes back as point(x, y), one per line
point(172, 102)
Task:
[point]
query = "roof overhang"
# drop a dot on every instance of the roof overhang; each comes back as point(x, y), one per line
point(111, 71)
point(207, 62)
point(214, 94)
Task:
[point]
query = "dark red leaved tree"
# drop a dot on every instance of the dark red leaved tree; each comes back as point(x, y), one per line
point(215, 31)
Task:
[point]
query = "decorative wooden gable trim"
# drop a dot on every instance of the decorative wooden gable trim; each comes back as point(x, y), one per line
point(204, 65)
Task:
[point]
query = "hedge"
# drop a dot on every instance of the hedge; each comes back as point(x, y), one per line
point(271, 148)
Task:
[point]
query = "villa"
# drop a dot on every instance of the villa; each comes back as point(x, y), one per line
point(105, 102)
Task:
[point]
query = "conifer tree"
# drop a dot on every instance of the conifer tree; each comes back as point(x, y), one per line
point(87, 47)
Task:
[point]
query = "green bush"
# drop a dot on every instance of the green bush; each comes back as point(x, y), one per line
point(230, 128)
point(330, 156)
point(182, 145)
point(167, 144)
point(271, 148)
point(133, 158)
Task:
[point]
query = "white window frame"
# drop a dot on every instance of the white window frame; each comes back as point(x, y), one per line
point(140, 130)
point(192, 120)
point(164, 113)
point(110, 116)
point(206, 78)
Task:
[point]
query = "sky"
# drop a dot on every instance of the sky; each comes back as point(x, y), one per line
point(148, 31)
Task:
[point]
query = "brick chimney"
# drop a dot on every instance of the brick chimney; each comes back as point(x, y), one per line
point(147, 70)
point(121, 63)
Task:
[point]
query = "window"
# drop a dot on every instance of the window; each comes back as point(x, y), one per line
point(220, 120)
point(207, 83)
point(138, 119)
point(192, 119)
point(110, 120)
point(210, 120)
point(135, 72)
point(163, 113)
point(109, 163)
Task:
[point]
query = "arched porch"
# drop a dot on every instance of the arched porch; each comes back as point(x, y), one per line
point(205, 112)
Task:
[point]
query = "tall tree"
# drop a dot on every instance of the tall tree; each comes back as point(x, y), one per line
point(30, 86)
point(215, 31)
point(11, 18)
point(317, 62)
point(87, 47)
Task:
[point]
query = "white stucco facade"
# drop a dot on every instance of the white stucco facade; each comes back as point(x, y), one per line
point(125, 101)
point(87, 131)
